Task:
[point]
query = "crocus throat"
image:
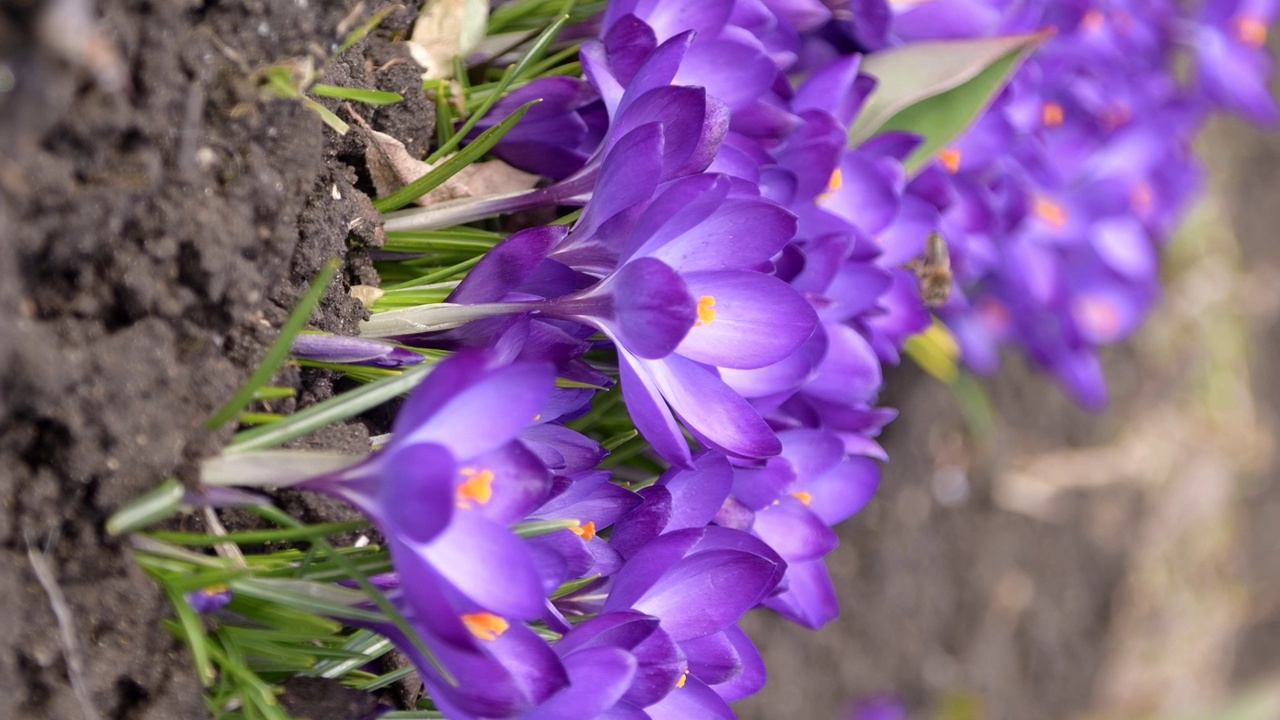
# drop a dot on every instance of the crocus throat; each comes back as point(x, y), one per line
point(1250, 30)
point(485, 625)
point(1050, 212)
point(833, 184)
point(1052, 114)
point(1141, 197)
point(1092, 21)
point(1098, 314)
point(706, 310)
point(477, 487)
point(950, 159)
point(586, 530)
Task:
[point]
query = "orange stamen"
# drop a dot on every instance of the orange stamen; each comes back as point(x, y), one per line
point(803, 496)
point(476, 488)
point(835, 182)
point(950, 159)
point(706, 310)
point(1050, 212)
point(1051, 114)
point(1250, 30)
point(586, 530)
point(683, 678)
point(485, 625)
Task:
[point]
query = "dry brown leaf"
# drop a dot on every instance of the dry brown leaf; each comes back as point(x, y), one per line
point(446, 28)
point(391, 167)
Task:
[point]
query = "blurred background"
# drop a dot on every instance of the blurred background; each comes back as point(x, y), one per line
point(1041, 562)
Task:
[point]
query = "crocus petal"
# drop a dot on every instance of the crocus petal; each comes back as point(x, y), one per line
point(649, 411)
point(416, 493)
point(753, 320)
point(507, 265)
point(506, 583)
point(628, 176)
point(598, 678)
point(694, 700)
point(707, 592)
point(713, 412)
point(810, 598)
point(697, 494)
point(485, 414)
point(751, 676)
point(713, 659)
point(644, 523)
point(652, 307)
point(794, 531)
point(739, 234)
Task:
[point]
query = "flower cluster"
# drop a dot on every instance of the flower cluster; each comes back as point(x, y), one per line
point(743, 273)
point(1058, 200)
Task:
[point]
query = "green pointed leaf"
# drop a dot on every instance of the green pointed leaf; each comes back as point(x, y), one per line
point(936, 88)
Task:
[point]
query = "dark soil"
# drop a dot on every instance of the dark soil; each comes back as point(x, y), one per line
point(159, 218)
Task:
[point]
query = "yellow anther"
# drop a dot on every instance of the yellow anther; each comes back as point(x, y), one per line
point(706, 310)
point(536, 417)
point(1049, 211)
point(1051, 114)
point(586, 530)
point(803, 496)
point(1250, 30)
point(477, 487)
point(212, 590)
point(485, 625)
point(683, 678)
point(950, 159)
point(834, 183)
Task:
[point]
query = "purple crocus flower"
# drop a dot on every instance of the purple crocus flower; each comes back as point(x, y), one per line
point(447, 486)
point(209, 599)
point(697, 583)
point(1234, 64)
point(791, 502)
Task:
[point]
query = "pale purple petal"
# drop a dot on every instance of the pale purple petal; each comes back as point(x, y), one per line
point(714, 413)
point(754, 319)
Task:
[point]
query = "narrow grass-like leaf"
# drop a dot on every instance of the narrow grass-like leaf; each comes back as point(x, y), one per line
point(364, 646)
point(191, 629)
point(450, 167)
point(365, 28)
point(279, 349)
point(338, 124)
point(392, 613)
point(346, 405)
point(328, 600)
point(534, 528)
point(257, 537)
point(155, 505)
point(271, 468)
point(274, 392)
point(573, 586)
point(362, 95)
point(386, 680)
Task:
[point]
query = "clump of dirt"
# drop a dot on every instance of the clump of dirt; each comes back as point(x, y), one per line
point(161, 217)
